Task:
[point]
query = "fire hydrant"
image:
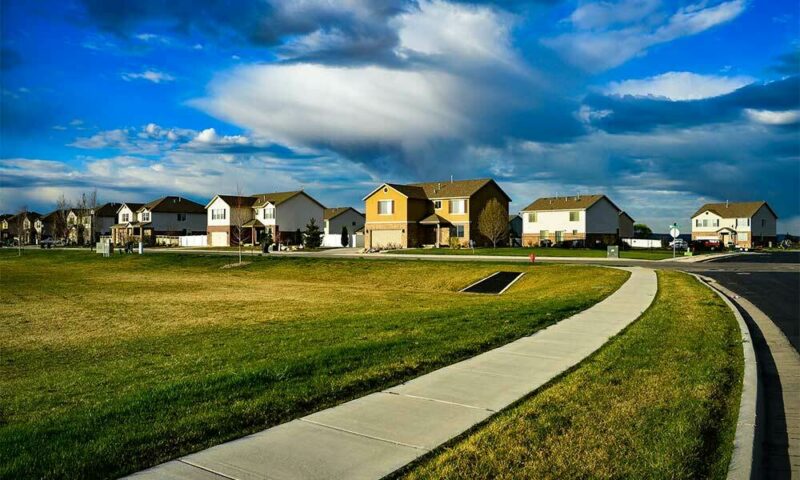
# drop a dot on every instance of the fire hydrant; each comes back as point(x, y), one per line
point(532, 257)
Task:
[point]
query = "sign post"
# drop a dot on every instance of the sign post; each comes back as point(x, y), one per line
point(674, 232)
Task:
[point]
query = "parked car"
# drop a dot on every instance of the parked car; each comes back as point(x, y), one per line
point(46, 243)
point(679, 244)
point(546, 243)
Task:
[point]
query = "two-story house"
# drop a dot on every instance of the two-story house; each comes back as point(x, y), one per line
point(4, 226)
point(244, 219)
point(403, 216)
point(166, 216)
point(740, 224)
point(128, 226)
point(342, 217)
point(22, 226)
point(103, 218)
point(593, 219)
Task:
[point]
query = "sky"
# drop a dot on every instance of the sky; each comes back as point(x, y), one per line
point(661, 105)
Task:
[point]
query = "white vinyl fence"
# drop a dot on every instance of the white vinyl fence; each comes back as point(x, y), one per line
point(335, 241)
point(642, 243)
point(193, 240)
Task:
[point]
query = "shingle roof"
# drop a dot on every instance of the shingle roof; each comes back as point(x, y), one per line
point(107, 210)
point(336, 211)
point(253, 222)
point(275, 198)
point(235, 200)
point(6, 216)
point(434, 219)
point(563, 203)
point(172, 204)
point(132, 206)
point(734, 209)
point(444, 189)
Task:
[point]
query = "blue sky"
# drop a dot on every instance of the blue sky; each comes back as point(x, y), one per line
point(662, 105)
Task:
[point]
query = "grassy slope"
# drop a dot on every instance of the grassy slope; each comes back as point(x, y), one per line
point(541, 252)
point(659, 401)
point(112, 365)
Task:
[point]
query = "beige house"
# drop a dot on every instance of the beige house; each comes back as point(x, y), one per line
point(740, 224)
point(403, 216)
point(594, 219)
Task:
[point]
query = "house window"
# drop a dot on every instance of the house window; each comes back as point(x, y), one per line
point(574, 216)
point(543, 234)
point(574, 232)
point(126, 217)
point(385, 207)
point(716, 222)
point(145, 216)
point(458, 206)
point(218, 214)
point(763, 222)
point(457, 231)
point(697, 222)
point(532, 217)
point(748, 222)
point(437, 204)
point(705, 222)
point(268, 213)
point(181, 217)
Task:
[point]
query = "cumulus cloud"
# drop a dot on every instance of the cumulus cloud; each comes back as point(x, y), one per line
point(149, 75)
point(679, 86)
point(619, 35)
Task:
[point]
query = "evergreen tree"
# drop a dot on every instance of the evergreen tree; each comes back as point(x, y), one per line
point(345, 237)
point(313, 235)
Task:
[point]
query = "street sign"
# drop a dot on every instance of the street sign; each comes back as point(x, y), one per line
point(673, 230)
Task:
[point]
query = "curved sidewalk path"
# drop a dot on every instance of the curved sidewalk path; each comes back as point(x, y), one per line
point(371, 437)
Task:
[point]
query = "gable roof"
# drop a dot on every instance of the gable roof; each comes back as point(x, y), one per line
point(173, 204)
point(626, 214)
point(576, 202)
point(107, 210)
point(334, 212)
point(133, 207)
point(734, 209)
point(443, 189)
point(234, 200)
point(275, 198)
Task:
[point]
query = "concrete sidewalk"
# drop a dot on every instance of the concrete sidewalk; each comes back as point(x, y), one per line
point(375, 435)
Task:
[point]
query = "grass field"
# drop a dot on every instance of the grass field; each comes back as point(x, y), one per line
point(112, 365)
point(658, 401)
point(541, 252)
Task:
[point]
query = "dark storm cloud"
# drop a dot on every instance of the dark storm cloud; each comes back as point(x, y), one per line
point(638, 114)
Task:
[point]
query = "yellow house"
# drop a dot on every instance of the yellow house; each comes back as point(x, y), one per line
point(403, 216)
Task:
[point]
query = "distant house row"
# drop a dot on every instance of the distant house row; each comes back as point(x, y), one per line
point(395, 216)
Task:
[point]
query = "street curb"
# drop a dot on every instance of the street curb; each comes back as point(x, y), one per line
point(746, 455)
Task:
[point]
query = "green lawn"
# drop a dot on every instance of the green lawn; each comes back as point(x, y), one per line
point(540, 252)
point(659, 401)
point(110, 365)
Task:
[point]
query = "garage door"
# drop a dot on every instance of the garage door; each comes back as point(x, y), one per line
point(219, 239)
point(386, 238)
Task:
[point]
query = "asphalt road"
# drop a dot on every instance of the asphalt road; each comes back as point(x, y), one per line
point(776, 293)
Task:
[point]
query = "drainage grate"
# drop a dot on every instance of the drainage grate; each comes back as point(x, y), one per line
point(495, 283)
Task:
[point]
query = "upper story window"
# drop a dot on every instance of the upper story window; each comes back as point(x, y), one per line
point(437, 204)
point(574, 216)
point(218, 213)
point(532, 217)
point(458, 206)
point(181, 217)
point(697, 222)
point(145, 216)
point(748, 222)
point(716, 222)
point(268, 213)
point(705, 222)
point(385, 207)
point(126, 217)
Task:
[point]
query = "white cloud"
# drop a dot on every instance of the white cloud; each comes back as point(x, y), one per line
point(603, 14)
point(678, 86)
point(771, 117)
point(149, 75)
point(598, 50)
point(469, 32)
point(210, 137)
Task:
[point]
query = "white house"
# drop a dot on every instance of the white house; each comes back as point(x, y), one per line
point(236, 219)
point(594, 219)
point(741, 224)
point(338, 218)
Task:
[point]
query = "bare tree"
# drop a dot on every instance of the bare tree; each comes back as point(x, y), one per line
point(60, 229)
point(238, 218)
point(493, 222)
point(22, 216)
